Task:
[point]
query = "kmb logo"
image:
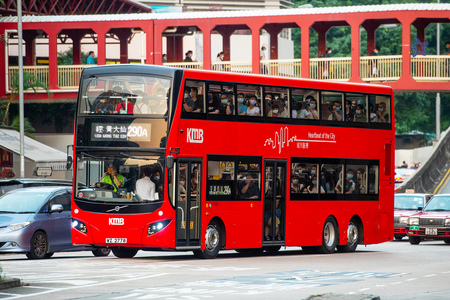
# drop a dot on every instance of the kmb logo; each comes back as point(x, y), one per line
point(194, 135)
point(116, 221)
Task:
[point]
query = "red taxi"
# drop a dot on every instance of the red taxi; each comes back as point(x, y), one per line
point(406, 205)
point(433, 223)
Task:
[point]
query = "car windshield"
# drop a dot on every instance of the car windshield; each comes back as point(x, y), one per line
point(114, 178)
point(23, 201)
point(408, 202)
point(438, 203)
point(125, 94)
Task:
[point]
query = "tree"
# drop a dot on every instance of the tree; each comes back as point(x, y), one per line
point(29, 82)
point(66, 57)
point(28, 128)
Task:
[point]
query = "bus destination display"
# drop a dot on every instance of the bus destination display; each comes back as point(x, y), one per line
point(121, 132)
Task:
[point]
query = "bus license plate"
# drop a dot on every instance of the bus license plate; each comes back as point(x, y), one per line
point(431, 231)
point(115, 241)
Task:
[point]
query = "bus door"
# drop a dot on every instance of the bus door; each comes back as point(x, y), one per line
point(274, 201)
point(188, 204)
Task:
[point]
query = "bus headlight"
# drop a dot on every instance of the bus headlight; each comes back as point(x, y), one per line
point(156, 227)
point(80, 226)
point(413, 221)
point(404, 220)
point(447, 222)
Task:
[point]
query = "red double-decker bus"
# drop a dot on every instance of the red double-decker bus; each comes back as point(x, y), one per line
point(180, 159)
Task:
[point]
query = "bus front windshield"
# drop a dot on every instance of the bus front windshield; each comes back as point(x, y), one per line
point(120, 178)
point(124, 94)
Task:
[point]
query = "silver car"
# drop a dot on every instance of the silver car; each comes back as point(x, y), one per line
point(37, 221)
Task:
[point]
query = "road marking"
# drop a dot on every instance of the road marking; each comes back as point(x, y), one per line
point(398, 282)
point(87, 286)
point(444, 179)
point(411, 279)
point(380, 285)
point(430, 275)
point(127, 296)
point(363, 289)
point(7, 294)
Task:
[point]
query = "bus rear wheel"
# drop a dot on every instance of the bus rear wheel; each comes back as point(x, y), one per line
point(330, 236)
point(213, 241)
point(124, 252)
point(352, 239)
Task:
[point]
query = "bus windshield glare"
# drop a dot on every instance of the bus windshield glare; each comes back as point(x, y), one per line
point(120, 178)
point(125, 94)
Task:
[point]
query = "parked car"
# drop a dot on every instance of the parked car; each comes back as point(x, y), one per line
point(7, 185)
point(406, 205)
point(37, 221)
point(432, 223)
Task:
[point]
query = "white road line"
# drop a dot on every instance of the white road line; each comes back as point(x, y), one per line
point(398, 282)
point(430, 275)
point(364, 289)
point(127, 296)
point(411, 279)
point(446, 272)
point(37, 287)
point(380, 285)
point(7, 294)
point(87, 286)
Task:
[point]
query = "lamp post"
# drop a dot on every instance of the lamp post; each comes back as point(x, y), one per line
point(438, 95)
point(21, 106)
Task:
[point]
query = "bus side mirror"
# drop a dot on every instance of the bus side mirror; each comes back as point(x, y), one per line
point(170, 162)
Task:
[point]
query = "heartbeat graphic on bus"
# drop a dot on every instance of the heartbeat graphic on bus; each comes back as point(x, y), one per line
point(282, 139)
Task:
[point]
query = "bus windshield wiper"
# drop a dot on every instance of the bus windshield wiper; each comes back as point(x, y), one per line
point(93, 156)
point(134, 157)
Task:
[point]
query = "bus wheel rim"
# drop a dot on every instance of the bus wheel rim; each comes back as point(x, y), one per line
point(329, 234)
point(352, 234)
point(212, 237)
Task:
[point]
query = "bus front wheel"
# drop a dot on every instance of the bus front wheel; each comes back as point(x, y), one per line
point(213, 241)
point(330, 236)
point(352, 239)
point(124, 252)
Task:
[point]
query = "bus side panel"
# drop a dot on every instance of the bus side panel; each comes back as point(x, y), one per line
point(242, 221)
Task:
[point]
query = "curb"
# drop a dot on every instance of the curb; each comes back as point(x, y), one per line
point(8, 283)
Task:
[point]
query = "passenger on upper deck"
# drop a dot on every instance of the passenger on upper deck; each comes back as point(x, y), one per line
point(348, 111)
point(275, 111)
point(285, 113)
point(252, 109)
point(225, 106)
point(158, 105)
point(212, 104)
point(382, 114)
point(104, 105)
point(126, 102)
point(142, 104)
point(360, 114)
point(312, 188)
point(268, 102)
point(242, 108)
point(312, 108)
point(336, 112)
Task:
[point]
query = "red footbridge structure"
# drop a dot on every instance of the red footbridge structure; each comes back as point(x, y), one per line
point(404, 72)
